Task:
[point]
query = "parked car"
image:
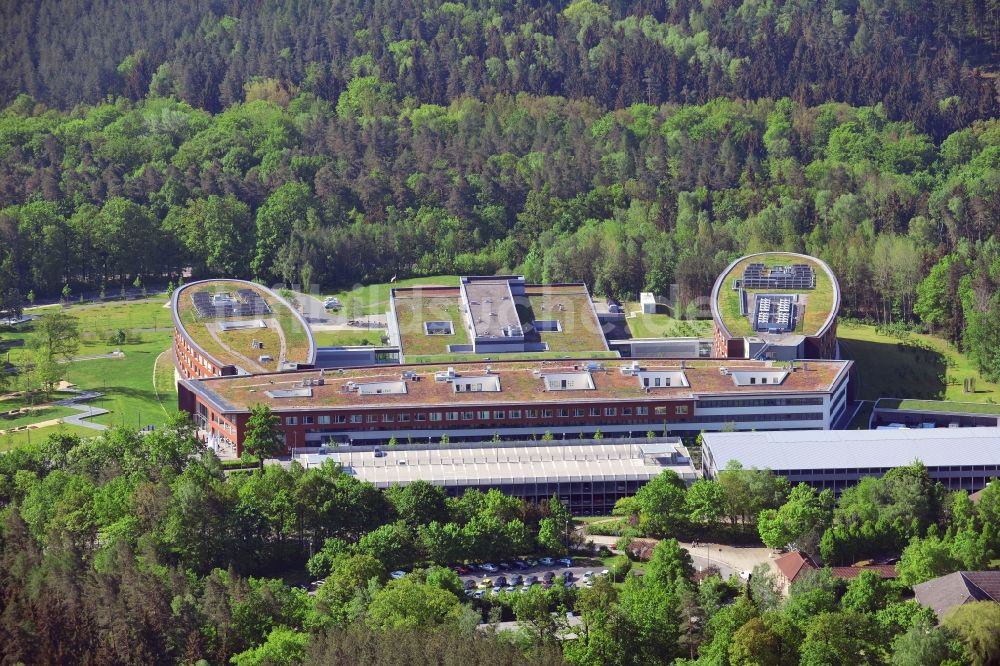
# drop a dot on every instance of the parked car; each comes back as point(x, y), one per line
point(546, 561)
point(565, 561)
point(605, 572)
point(332, 303)
point(501, 581)
point(486, 582)
point(587, 574)
point(510, 588)
point(548, 576)
point(504, 565)
point(516, 579)
point(520, 564)
point(496, 590)
point(492, 568)
point(469, 583)
point(478, 594)
point(532, 563)
point(462, 570)
point(399, 573)
point(530, 580)
point(568, 575)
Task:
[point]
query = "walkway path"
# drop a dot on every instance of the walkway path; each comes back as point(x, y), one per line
point(93, 357)
point(85, 411)
point(252, 366)
point(283, 351)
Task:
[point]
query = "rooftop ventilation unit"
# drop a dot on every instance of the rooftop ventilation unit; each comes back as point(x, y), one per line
point(445, 375)
point(631, 369)
point(408, 374)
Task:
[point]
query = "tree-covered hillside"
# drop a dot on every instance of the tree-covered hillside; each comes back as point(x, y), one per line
point(929, 61)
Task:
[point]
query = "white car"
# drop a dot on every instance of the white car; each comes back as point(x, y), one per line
point(332, 303)
point(588, 574)
point(396, 575)
point(492, 568)
point(546, 561)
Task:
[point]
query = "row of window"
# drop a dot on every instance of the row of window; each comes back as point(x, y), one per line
point(745, 418)
point(759, 402)
point(484, 415)
point(884, 470)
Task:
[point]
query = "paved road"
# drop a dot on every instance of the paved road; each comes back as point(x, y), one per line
point(313, 311)
point(701, 562)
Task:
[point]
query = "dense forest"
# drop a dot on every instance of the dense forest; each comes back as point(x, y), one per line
point(138, 548)
point(927, 60)
point(632, 145)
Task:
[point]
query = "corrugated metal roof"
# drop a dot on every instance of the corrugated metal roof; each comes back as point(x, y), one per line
point(822, 449)
point(506, 465)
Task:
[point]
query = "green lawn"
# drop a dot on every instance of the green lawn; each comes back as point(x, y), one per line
point(374, 298)
point(922, 367)
point(348, 338)
point(164, 380)
point(11, 440)
point(108, 317)
point(127, 384)
point(940, 406)
point(36, 416)
point(665, 326)
point(98, 322)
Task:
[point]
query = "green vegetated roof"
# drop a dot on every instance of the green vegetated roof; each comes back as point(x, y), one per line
point(820, 301)
point(944, 406)
point(233, 347)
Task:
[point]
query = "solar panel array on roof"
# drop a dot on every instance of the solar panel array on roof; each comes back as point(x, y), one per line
point(796, 276)
point(247, 303)
point(774, 314)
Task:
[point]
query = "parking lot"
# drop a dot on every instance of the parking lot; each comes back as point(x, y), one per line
point(514, 575)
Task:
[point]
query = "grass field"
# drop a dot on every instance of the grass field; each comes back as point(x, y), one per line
point(665, 326)
point(348, 338)
point(11, 440)
point(46, 413)
point(98, 322)
point(127, 382)
point(411, 313)
point(819, 300)
point(374, 298)
point(940, 406)
point(106, 318)
point(920, 367)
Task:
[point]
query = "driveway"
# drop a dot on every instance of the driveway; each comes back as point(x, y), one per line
point(314, 312)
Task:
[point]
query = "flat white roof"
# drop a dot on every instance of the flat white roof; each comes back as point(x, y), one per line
point(455, 466)
point(825, 449)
